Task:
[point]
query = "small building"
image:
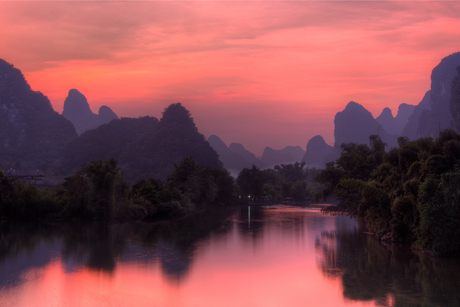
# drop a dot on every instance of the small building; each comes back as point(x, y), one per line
point(33, 179)
point(37, 179)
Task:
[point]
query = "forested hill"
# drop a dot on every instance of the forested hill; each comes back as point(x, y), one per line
point(174, 138)
point(108, 141)
point(144, 147)
point(32, 134)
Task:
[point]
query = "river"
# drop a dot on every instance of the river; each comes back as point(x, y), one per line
point(241, 256)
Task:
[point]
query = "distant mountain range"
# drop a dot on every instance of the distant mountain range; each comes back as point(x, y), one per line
point(395, 125)
point(235, 157)
point(432, 114)
point(78, 112)
point(33, 136)
point(356, 124)
point(107, 141)
point(317, 150)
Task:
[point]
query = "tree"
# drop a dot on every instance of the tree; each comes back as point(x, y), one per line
point(96, 189)
point(193, 181)
point(250, 182)
point(292, 172)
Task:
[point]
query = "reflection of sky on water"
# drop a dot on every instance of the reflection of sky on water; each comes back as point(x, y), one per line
point(283, 257)
point(13, 268)
point(241, 262)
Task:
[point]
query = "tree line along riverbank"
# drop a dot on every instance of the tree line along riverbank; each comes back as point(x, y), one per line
point(409, 194)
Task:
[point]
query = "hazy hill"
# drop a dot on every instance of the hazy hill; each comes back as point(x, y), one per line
point(230, 159)
point(289, 154)
point(32, 134)
point(317, 150)
point(441, 82)
point(246, 154)
point(454, 103)
point(103, 143)
point(106, 115)
point(355, 124)
point(405, 111)
point(386, 119)
point(77, 111)
point(395, 125)
point(411, 130)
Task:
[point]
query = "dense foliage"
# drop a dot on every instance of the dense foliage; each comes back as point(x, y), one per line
point(408, 194)
point(98, 191)
point(282, 182)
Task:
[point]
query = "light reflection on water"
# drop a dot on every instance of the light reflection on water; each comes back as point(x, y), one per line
point(241, 256)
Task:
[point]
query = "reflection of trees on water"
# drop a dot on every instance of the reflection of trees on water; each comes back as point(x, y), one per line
point(31, 245)
point(393, 275)
point(174, 243)
point(16, 238)
point(253, 223)
point(23, 246)
point(96, 246)
point(99, 246)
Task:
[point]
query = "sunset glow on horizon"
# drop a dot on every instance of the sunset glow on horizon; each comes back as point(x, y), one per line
point(260, 73)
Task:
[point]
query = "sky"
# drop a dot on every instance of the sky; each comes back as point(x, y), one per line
point(259, 73)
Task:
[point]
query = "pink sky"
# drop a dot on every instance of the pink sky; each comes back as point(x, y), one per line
point(260, 73)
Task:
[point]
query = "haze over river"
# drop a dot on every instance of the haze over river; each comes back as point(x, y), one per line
point(241, 256)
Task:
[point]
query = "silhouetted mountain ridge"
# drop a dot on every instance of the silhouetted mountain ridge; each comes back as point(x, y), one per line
point(355, 124)
point(289, 154)
point(317, 150)
point(411, 129)
point(103, 143)
point(77, 111)
point(246, 154)
point(441, 81)
point(230, 159)
point(395, 125)
point(32, 134)
point(174, 138)
point(144, 147)
point(385, 118)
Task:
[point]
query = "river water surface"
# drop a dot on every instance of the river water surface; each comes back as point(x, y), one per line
point(244, 256)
